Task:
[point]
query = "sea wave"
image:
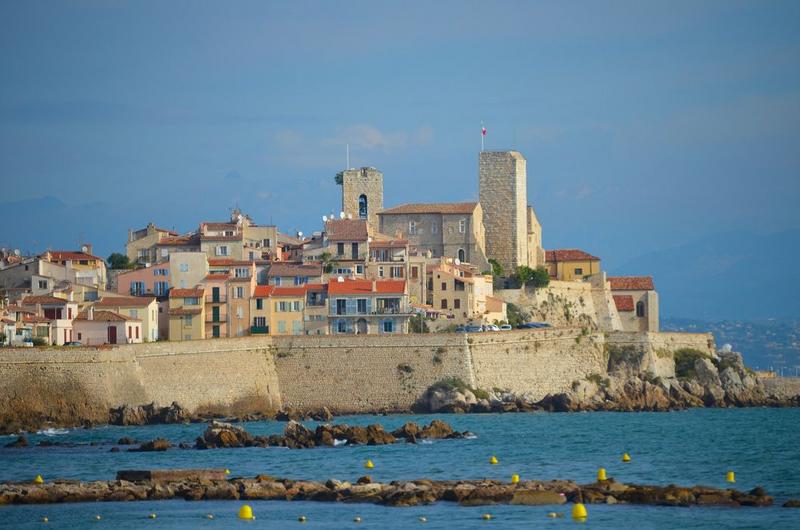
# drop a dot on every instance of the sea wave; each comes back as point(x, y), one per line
point(52, 432)
point(337, 443)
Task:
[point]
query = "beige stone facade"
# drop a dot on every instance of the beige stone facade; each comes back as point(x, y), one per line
point(503, 196)
point(362, 194)
point(142, 244)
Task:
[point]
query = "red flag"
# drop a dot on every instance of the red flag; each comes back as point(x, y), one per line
point(483, 131)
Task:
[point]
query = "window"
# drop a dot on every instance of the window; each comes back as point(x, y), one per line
point(184, 267)
point(192, 300)
point(260, 322)
point(187, 320)
point(457, 303)
point(341, 306)
point(276, 281)
point(414, 273)
point(462, 256)
point(412, 228)
point(239, 312)
point(297, 306)
point(639, 309)
point(380, 272)
point(354, 250)
point(222, 250)
point(266, 243)
point(161, 288)
point(238, 292)
point(137, 288)
point(462, 226)
point(300, 280)
point(434, 228)
point(134, 313)
point(388, 326)
point(281, 326)
point(340, 249)
point(42, 284)
point(341, 326)
point(164, 252)
point(444, 286)
point(359, 269)
point(297, 327)
point(362, 206)
point(259, 303)
point(130, 332)
point(242, 272)
point(215, 331)
point(578, 271)
point(137, 332)
point(444, 303)
point(396, 272)
point(160, 272)
point(361, 305)
point(79, 336)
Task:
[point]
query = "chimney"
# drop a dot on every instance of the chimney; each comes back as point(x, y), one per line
point(374, 286)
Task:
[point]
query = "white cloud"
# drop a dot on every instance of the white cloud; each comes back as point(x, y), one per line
point(369, 137)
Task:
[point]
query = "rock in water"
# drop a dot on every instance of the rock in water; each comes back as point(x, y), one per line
point(159, 444)
point(220, 434)
point(21, 441)
point(297, 435)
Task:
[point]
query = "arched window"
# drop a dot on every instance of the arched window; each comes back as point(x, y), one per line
point(462, 255)
point(362, 206)
point(639, 309)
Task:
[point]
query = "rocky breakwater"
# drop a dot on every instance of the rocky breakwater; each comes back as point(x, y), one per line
point(298, 436)
point(196, 485)
point(700, 380)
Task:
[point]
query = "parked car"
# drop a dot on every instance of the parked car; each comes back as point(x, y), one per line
point(491, 327)
point(534, 325)
point(73, 343)
point(460, 329)
point(506, 327)
point(473, 329)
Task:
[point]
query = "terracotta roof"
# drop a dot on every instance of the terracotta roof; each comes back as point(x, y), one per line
point(221, 238)
point(125, 301)
point(219, 226)
point(289, 291)
point(218, 276)
point(568, 254)
point(316, 287)
point(181, 241)
point(631, 283)
point(346, 230)
point(434, 207)
point(180, 311)
point(72, 255)
point(105, 315)
point(386, 241)
point(187, 293)
point(289, 240)
point(44, 299)
point(623, 302)
point(349, 286)
point(8, 320)
point(164, 230)
point(263, 291)
point(294, 269)
point(221, 262)
point(35, 319)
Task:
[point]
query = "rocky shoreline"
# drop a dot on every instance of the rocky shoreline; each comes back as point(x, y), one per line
point(196, 485)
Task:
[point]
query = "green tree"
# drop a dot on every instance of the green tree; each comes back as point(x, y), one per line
point(497, 269)
point(119, 261)
point(538, 277)
point(417, 324)
point(339, 178)
point(327, 262)
point(516, 316)
point(2, 338)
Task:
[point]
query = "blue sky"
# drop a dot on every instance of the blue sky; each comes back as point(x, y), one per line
point(646, 125)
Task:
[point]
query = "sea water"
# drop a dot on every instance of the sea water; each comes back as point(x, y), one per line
point(687, 448)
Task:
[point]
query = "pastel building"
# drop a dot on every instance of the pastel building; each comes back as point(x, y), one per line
point(96, 327)
point(571, 264)
point(141, 308)
point(186, 314)
point(637, 302)
point(146, 281)
point(367, 306)
point(56, 313)
point(216, 302)
point(278, 310)
point(142, 245)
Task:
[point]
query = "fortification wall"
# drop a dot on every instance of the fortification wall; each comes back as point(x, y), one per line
point(366, 373)
point(783, 387)
point(536, 362)
point(656, 350)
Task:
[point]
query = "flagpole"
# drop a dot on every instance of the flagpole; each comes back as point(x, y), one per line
point(482, 135)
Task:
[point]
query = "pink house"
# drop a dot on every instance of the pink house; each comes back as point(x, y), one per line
point(147, 281)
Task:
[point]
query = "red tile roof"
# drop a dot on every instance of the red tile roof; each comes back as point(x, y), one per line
point(105, 316)
point(187, 293)
point(631, 283)
point(263, 291)
point(62, 255)
point(294, 269)
point(219, 226)
point(179, 241)
point(289, 291)
point(218, 276)
point(349, 286)
point(125, 301)
point(346, 230)
point(43, 299)
point(568, 254)
point(436, 207)
point(164, 230)
point(623, 302)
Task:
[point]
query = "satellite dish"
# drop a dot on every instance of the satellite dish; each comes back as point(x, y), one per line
point(369, 239)
point(727, 348)
point(324, 218)
point(458, 261)
point(340, 279)
point(300, 234)
point(341, 215)
point(349, 216)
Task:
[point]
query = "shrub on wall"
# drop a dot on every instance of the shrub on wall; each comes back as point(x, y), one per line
point(684, 362)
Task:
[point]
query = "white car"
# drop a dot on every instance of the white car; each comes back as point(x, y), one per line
point(491, 327)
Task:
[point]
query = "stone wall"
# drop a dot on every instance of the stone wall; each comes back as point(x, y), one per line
point(655, 351)
point(366, 181)
point(782, 387)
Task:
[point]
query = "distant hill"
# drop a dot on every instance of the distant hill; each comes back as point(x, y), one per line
point(735, 275)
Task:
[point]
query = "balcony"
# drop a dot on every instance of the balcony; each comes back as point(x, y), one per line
point(259, 330)
point(218, 299)
point(218, 320)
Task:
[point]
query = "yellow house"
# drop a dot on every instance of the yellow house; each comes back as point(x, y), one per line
point(144, 308)
point(571, 264)
point(187, 314)
point(460, 293)
point(277, 310)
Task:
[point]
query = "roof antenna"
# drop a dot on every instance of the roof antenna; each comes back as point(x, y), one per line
point(347, 146)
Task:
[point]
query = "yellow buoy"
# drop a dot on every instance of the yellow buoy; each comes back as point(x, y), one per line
point(45, 519)
point(626, 457)
point(356, 519)
point(423, 519)
point(493, 460)
point(515, 479)
point(579, 511)
point(227, 471)
point(97, 517)
point(601, 474)
point(302, 519)
point(209, 516)
point(152, 516)
point(486, 517)
point(369, 464)
point(730, 477)
point(38, 480)
point(246, 512)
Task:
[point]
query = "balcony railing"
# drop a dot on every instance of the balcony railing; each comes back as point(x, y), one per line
point(218, 299)
point(259, 330)
point(218, 320)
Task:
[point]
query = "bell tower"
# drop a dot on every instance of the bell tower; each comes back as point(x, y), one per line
point(362, 194)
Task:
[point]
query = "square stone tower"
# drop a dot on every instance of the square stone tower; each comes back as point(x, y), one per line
point(362, 194)
point(503, 196)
